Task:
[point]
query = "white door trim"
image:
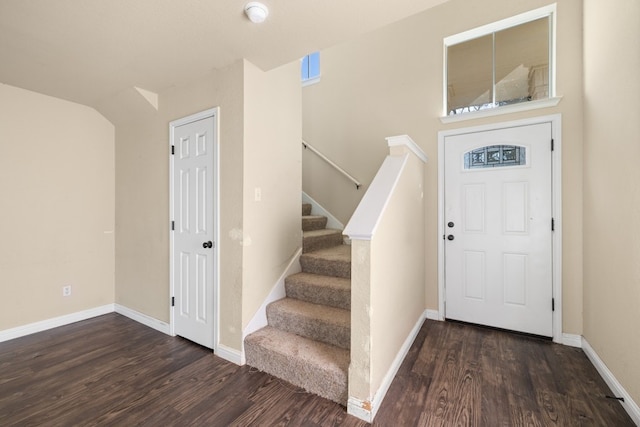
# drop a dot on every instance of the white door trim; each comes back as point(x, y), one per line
point(556, 171)
point(215, 113)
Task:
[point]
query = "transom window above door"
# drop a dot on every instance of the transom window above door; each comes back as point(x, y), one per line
point(500, 64)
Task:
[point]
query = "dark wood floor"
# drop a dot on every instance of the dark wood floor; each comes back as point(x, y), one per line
point(113, 371)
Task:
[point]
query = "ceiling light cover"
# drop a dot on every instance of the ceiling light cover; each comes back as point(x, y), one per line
point(256, 11)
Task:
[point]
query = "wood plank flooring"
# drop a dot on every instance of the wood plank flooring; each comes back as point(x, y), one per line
point(112, 371)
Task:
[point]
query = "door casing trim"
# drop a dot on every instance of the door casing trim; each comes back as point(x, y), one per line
point(556, 189)
point(215, 113)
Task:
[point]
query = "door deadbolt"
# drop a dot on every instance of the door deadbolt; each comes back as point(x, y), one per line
point(450, 224)
point(208, 244)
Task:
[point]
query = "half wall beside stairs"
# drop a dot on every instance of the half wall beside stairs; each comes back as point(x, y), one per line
point(387, 277)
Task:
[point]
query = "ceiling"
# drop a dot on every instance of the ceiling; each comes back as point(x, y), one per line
point(91, 51)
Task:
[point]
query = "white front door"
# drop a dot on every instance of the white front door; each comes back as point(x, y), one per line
point(498, 228)
point(193, 248)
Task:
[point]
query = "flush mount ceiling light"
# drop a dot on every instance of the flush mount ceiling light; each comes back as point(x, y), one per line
point(256, 12)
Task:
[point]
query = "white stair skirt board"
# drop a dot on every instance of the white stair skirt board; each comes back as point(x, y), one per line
point(357, 407)
point(259, 319)
point(317, 209)
point(149, 321)
point(629, 405)
point(43, 325)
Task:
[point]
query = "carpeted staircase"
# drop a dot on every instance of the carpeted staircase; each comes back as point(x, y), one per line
point(308, 335)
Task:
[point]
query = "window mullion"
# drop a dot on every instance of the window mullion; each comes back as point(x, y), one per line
point(493, 69)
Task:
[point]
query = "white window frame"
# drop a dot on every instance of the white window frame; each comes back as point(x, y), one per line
point(543, 12)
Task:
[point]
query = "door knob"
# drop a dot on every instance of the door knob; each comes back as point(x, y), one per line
point(208, 244)
point(450, 237)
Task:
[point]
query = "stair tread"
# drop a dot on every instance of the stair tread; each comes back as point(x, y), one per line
point(320, 280)
point(313, 216)
point(313, 222)
point(317, 367)
point(318, 312)
point(319, 322)
point(321, 232)
point(334, 253)
point(314, 240)
point(319, 289)
point(332, 261)
point(295, 346)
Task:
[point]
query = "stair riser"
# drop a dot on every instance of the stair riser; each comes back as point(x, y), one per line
point(326, 267)
point(311, 328)
point(330, 385)
point(339, 298)
point(313, 223)
point(310, 244)
point(306, 209)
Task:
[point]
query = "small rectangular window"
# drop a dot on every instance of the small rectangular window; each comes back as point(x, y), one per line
point(310, 69)
point(504, 63)
point(495, 156)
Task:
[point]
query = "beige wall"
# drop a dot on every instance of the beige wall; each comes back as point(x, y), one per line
point(389, 82)
point(612, 187)
point(272, 231)
point(397, 251)
point(57, 187)
point(259, 112)
point(142, 202)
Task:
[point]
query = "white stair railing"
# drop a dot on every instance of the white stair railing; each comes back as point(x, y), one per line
point(306, 145)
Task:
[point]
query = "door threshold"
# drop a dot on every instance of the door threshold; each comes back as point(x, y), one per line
point(493, 328)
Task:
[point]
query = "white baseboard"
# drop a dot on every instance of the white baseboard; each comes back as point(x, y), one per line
point(360, 409)
point(230, 354)
point(43, 325)
point(616, 388)
point(367, 411)
point(572, 340)
point(433, 315)
point(149, 321)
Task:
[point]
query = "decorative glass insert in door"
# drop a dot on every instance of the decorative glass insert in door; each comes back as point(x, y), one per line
point(495, 156)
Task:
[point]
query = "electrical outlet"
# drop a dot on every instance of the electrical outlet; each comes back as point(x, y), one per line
point(258, 194)
point(66, 291)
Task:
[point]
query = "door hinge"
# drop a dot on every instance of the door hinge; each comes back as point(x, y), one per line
point(553, 224)
point(173, 301)
point(173, 225)
point(173, 149)
point(553, 304)
point(553, 146)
